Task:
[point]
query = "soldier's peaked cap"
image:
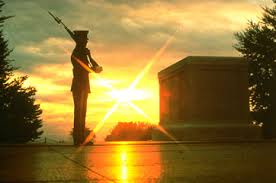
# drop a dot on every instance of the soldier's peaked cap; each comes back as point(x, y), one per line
point(81, 34)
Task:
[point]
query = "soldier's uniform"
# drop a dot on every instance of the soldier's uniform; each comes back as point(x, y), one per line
point(80, 84)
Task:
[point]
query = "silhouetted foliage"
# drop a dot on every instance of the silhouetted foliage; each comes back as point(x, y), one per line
point(130, 131)
point(19, 115)
point(257, 43)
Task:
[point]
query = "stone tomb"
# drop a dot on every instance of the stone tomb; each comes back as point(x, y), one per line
point(204, 98)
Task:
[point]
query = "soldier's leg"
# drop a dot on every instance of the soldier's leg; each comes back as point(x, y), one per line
point(77, 118)
point(83, 114)
point(85, 96)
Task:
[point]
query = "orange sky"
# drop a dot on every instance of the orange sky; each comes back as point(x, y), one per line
point(125, 36)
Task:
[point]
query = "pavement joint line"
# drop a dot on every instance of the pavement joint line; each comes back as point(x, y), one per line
point(81, 165)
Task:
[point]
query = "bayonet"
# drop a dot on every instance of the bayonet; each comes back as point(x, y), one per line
point(59, 21)
point(56, 18)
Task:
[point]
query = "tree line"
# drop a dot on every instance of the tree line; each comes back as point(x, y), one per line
point(257, 44)
point(20, 116)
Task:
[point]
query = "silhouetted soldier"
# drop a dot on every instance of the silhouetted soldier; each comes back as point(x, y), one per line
point(80, 84)
point(82, 64)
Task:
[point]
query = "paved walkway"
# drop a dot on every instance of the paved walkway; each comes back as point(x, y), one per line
point(214, 162)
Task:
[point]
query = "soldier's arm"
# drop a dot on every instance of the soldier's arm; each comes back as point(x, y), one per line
point(92, 61)
point(79, 65)
point(95, 66)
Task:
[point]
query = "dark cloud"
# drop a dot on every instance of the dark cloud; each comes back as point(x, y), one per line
point(32, 22)
point(119, 25)
point(140, 3)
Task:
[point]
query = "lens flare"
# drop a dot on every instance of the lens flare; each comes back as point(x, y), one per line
point(100, 124)
point(138, 79)
point(161, 129)
point(151, 62)
point(140, 111)
point(132, 86)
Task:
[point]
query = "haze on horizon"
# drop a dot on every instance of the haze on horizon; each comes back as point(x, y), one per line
point(124, 36)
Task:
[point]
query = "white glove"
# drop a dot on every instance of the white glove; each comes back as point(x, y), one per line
point(98, 69)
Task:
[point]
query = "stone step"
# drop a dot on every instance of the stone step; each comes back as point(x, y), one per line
point(207, 132)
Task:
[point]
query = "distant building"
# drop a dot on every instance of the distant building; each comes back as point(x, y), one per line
point(206, 97)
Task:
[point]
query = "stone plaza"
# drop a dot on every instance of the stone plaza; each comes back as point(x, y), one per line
point(181, 162)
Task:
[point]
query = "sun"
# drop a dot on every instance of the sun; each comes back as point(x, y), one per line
point(128, 95)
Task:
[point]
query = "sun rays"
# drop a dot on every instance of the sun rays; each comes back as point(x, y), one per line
point(127, 95)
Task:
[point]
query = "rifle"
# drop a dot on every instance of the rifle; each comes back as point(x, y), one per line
point(58, 20)
point(94, 65)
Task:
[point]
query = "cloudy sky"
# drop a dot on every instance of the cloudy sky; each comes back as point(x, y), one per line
point(124, 37)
